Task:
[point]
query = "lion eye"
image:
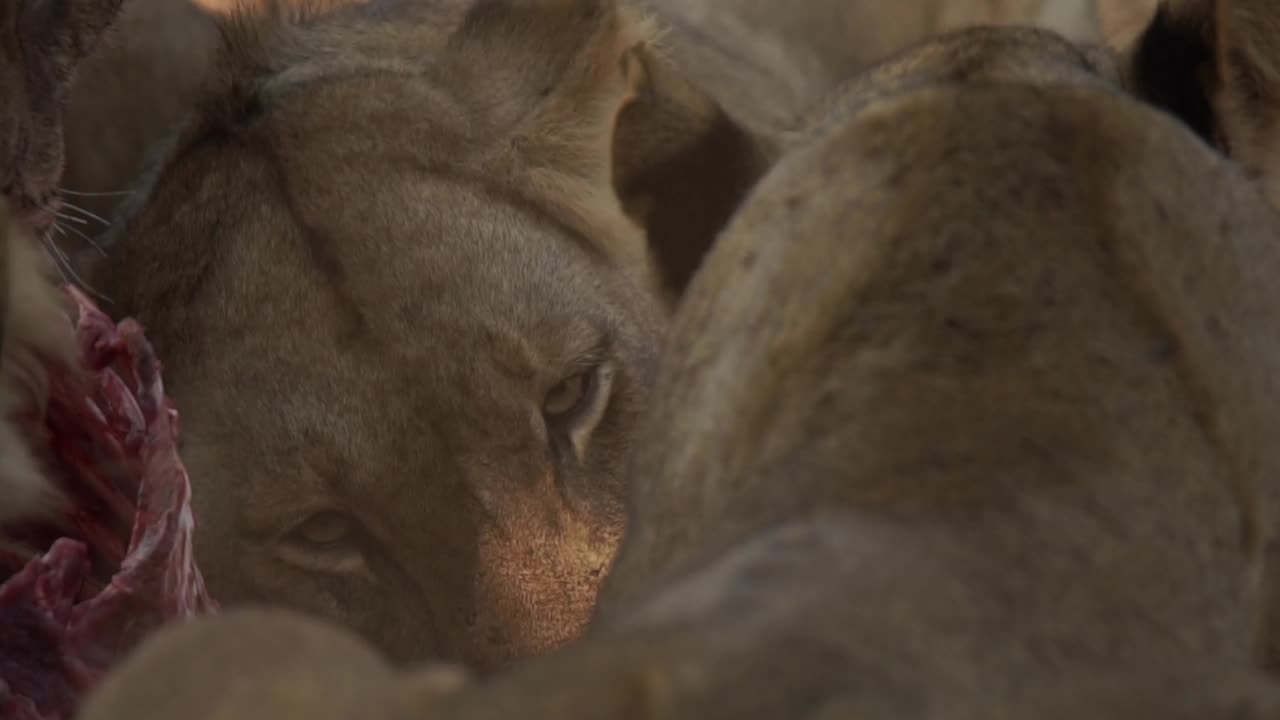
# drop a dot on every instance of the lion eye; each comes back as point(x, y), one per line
point(566, 396)
point(574, 407)
point(327, 541)
point(325, 528)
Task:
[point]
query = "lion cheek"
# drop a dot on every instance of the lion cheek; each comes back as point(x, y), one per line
point(535, 594)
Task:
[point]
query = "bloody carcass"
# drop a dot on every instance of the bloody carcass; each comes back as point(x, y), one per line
point(81, 590)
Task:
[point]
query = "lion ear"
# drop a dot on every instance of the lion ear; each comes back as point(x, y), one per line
point(1216, 65)
point(545, 81)
point(1246, 100)
point(558, 72)
point(681, 165)
point(615, 129)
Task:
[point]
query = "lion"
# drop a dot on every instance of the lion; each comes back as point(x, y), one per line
point(1229, 105)
point(127, 99)
point(969, 412)
point(764, 63)
point(769, 63)
point(403, 267)
point(134, 93)
point(42, 46)
point(286, 666)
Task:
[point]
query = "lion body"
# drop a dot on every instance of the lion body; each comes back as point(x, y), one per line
point(969, 411)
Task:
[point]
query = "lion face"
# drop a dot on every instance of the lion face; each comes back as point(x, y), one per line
point(406, 317)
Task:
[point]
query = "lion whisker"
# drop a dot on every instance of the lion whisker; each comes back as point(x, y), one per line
point(67, 270)
point(54, 253)
point(83, 235)
point(84, 212)
point(72, 218)
point(76, 193)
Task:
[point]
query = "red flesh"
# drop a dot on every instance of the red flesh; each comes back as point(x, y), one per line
point(120, 564)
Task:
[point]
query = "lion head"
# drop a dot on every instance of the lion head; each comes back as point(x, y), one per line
point(400, 266)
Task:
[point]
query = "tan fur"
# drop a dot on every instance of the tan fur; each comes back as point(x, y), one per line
point(1249, 43)
point(133, 94)
point(690, 164)
point(970, 413)
point(277, 666)
point(1123, 20)
point(126, 101)
point(1075, 20)
point(41, 46)
point(768, 62)
point(1231, 51)
point(956, 435)
point(230, 7)
point(302, 660)
point(385, 238)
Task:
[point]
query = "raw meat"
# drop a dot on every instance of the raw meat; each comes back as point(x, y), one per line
point(80, 594)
